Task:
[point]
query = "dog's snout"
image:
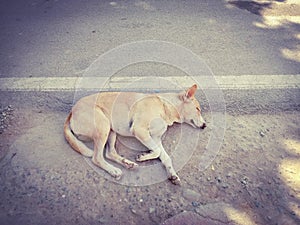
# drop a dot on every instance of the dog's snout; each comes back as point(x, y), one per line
point(203, 126)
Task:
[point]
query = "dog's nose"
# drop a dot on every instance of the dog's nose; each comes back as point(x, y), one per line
point(203, 126)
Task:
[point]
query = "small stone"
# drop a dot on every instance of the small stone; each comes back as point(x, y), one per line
point(63, 196)
point(262, 134)
point(133, 210)
point(141, 200)
point(219, 179)
point(191, 195)
point(195, 204)
point(257, 204)
point(229, 175)
point(225, 185)
point(208, 179)
point(244, 180)
point(102, 220)
point(151, 210)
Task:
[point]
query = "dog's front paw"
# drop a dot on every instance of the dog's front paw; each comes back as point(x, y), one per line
point(142, 157)
point(139, 158)
point(129, 164)
point(175, 180)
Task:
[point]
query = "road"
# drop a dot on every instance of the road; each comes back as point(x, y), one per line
point(56, 38)
point(248, 52)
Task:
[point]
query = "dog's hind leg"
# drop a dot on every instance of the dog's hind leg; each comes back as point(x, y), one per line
point(98, 159)
point(100, 138)
point(112, 154)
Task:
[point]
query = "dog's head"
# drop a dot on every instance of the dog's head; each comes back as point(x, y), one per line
point(190, 108)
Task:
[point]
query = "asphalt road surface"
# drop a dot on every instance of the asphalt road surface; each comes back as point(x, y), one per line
point(62, 38)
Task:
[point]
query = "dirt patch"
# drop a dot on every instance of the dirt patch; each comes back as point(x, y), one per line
point(15, 121)
point(6, 120)
point(253, 179)
point(6, 115)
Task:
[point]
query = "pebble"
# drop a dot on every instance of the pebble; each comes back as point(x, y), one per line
point(257, 204)
point(132, 209)
point(191, 195)
point(195, 204)
point(151, 210)
point(244, 181)
point(229, 175)
point(262, 134)
point(102, 220)
point(225, 185)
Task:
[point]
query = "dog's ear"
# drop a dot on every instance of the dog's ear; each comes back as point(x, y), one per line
point(191, 91)
point(186, 95)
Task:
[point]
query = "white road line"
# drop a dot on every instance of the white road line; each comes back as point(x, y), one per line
point(246, 82)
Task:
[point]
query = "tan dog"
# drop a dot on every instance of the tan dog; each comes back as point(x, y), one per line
point(102, 116)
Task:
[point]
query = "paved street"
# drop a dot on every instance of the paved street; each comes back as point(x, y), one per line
point(245, 58)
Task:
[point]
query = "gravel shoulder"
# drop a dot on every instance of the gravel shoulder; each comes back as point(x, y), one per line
point(253, 178)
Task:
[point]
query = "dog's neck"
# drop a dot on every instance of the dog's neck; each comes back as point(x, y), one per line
point(172, 107)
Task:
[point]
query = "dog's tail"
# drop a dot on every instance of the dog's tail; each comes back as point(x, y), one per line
point(73, 141)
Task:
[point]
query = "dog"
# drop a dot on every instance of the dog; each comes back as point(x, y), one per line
point(100, 117)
